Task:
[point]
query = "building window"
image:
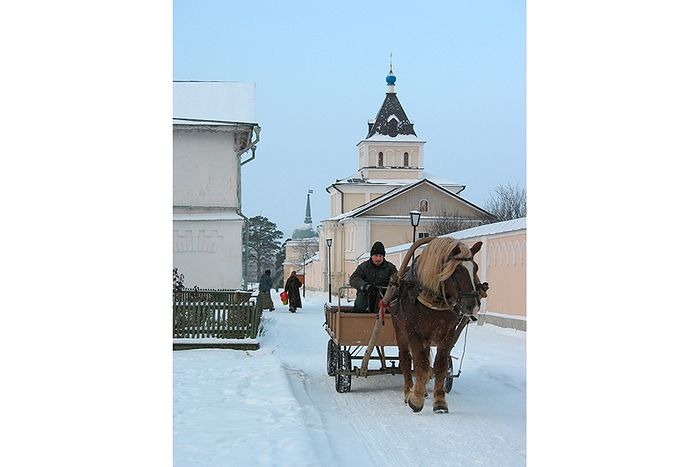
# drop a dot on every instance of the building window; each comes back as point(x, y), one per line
point(423, 234)
point(381, 159)
point(405, 159)
point(423, 205)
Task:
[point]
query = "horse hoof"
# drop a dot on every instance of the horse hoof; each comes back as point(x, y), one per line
point(415, 408)
point(440, 409)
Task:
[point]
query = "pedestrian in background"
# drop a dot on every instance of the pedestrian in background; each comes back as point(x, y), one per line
point(264, 298)
point(292, 287)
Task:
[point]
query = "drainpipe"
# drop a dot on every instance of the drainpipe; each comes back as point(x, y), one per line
point(250, 146)
point(245, 252)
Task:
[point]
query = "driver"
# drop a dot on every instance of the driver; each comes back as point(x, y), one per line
point(370, 276)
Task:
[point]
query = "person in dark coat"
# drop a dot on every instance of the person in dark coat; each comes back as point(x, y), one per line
point(264, 298)
point(370, 276)
point(292, 287)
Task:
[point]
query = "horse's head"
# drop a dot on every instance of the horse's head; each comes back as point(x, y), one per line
point(447, 270)
point(464, 286)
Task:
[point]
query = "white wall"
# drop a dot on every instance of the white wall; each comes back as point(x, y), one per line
point(208, 252)
point(205, 168)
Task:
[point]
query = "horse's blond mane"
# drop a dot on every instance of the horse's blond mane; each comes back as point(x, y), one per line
point(435, 265)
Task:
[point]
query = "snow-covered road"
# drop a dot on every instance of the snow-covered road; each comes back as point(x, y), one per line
point(278, 406)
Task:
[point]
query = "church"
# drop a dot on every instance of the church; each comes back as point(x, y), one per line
point(374, 203)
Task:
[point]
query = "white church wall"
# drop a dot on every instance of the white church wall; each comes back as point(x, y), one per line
point(205, 168)
point(208, 253)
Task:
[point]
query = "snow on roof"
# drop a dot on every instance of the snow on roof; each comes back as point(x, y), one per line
point(487, 229)
point(356, 179)
point(213, 102)
point(491, 229)
point(391, 193)
point(440, 181)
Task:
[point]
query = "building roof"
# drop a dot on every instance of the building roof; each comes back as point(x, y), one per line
point(213, 102)
point(486, 229)
point(491, 229)
point(391, 120)
point(356, 179)
point(397, 192)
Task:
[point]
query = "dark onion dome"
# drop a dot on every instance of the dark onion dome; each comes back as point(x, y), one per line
point(390, 79)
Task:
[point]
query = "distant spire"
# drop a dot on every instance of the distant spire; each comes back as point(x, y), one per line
point(307, 219)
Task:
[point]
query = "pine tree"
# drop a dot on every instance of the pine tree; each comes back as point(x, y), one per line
point(278, 275)
point(263, 245)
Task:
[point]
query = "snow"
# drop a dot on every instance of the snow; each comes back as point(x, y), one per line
point(214, 100)
point(278, 406)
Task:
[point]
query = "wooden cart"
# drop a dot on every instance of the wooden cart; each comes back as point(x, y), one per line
point(355, 336)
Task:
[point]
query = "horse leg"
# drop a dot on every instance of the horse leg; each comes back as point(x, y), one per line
point(421, 363)
point(404, 357)
point(405, 364)
point(440, 370)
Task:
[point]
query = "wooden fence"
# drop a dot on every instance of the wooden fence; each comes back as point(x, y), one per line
point(215, 313)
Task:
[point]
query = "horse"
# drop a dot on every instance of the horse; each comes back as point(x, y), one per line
point(436, 298)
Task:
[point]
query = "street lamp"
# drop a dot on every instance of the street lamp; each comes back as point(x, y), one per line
point(329, 242)
point(415, 220)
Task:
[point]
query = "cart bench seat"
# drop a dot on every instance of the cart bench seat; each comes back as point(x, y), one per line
point(347, 327)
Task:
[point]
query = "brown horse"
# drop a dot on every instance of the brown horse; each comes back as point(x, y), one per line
point(440, 293)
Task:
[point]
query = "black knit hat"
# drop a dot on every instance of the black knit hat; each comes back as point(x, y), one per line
point(378, 249)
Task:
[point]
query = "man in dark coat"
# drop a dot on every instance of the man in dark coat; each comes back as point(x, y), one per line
point(264, 298)
point(292, 287)
point(370, 276)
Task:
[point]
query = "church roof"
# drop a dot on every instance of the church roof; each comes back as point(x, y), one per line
point(399, 191)
point(391, 120)
point(356, 179)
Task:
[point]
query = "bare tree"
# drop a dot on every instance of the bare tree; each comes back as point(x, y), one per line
point(507, 202)
point(446, 223)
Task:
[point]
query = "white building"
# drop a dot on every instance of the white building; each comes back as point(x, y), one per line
point(213, 127)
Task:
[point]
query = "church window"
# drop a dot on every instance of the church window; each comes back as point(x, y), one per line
point(405, 159)
point(423, 205)
point(381, 159)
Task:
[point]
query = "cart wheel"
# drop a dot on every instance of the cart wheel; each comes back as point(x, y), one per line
point(449, 379)
point(332, 357)
point(342, 382)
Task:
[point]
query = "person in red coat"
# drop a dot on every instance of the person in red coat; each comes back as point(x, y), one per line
point(292, 287)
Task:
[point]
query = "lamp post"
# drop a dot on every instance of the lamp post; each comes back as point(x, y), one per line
point(329, 242)
point(415, 220)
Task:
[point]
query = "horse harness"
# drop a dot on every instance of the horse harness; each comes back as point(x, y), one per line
point(438, 301)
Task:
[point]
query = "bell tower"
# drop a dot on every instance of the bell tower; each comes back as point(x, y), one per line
point(391, 149)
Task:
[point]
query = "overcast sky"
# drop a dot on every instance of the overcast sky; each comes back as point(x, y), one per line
point(319, 70)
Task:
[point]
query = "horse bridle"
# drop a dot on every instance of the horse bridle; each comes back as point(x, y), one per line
point(478, 293)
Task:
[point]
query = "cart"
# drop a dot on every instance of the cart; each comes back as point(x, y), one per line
point(355, 336)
